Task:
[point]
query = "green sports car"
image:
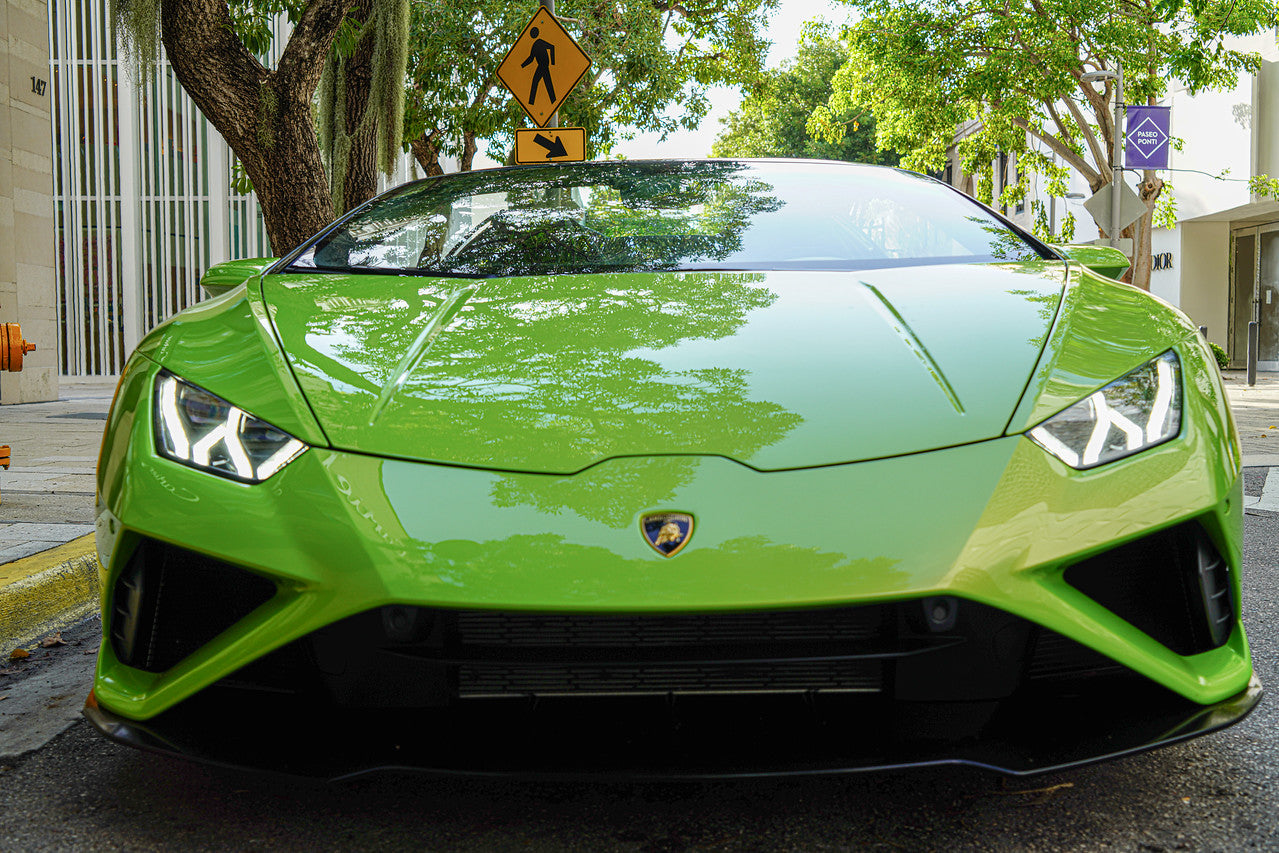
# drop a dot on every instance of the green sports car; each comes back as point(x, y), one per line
point(670, 469)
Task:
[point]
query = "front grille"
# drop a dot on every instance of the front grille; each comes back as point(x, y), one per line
point(493, 681)
point(168, 602)
point(1059, 657)
point(839, 625)
point(1174, 585)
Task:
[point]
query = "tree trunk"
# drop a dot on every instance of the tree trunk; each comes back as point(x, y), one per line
point(265, 116)
point(468, 151)
point(289, 177)
point(427, 153)
point(1142, 258)
point(360, 179)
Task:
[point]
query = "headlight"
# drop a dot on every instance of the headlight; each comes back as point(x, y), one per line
point(1136, 411)
point(204, 431)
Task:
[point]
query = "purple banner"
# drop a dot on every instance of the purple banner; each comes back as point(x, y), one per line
point(1148, 138)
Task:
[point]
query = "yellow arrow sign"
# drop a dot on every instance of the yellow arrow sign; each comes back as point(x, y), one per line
point(550, 145)
point(543, 66)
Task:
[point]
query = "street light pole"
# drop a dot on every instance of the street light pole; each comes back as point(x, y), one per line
point(1117, 155)
point(1116, 147)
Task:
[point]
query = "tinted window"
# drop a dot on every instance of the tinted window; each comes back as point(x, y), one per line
point(632, 217)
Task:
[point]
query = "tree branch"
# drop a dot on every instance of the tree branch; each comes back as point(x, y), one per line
point(298, 72)
point(1094, 145)
point(1061, 150)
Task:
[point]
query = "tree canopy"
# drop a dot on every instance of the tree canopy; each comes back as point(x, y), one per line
point(1013, 70)
point(772, 119)
point(652, 63)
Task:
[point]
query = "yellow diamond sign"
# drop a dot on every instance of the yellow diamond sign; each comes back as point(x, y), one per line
point(543, 67)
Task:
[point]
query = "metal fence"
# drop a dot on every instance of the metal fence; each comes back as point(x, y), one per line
point(143, 202)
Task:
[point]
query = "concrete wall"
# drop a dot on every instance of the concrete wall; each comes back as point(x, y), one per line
point(1205, 277)
point(1265, 119)
point(26, 207)
point(1166, 283)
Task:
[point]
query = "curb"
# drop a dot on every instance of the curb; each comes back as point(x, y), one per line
point(46, 592)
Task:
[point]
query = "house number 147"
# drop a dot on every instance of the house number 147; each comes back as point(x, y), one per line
point(37, 85)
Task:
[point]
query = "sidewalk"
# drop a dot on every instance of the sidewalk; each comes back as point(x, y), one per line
point(46, 497)
point(1256, 411)
point(48, 568)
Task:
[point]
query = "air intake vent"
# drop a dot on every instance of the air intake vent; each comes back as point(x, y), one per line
point(1174, 585)
point(168, 602)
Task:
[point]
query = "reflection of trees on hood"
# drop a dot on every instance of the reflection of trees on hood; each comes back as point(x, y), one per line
point(610, 494)
point(532, 371)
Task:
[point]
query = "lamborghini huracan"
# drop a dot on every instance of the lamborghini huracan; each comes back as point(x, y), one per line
point(670, 469)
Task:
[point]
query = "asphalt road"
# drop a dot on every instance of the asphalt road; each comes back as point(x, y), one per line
point(1221, 792)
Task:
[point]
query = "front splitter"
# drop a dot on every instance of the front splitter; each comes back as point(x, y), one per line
point(722, 738)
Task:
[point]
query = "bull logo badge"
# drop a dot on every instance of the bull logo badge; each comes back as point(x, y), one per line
point(667, 532)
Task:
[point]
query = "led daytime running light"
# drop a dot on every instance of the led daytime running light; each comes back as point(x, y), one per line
point(204, 431)
point(1136, 411)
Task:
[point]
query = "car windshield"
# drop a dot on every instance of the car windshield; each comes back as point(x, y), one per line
point(664, 216)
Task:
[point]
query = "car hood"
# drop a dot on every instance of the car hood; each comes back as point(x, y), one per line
point(556, 373)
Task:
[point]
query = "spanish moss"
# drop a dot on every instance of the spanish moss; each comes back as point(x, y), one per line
point(137, 31)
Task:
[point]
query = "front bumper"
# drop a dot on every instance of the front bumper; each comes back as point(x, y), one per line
point(708, 742)
point(996, 523)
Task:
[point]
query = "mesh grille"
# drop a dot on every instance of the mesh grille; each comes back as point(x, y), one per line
point(483, 628)
point(1059, 657)
point(475, 681)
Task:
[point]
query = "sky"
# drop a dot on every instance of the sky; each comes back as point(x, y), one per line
point(784, 25)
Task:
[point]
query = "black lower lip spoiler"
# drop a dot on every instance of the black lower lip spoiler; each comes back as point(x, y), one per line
point(1016, 741)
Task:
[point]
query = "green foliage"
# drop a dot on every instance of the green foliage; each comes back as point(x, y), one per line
point(1010, 70)
point(251, 21)
point(1042, 226)
point(1223, 360)
point(772, 119)
point(241, 183)
point(652, 63)
point(1166, 208)
point(1264, 185)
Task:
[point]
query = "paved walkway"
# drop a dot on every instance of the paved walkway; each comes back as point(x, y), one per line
point(46, 497)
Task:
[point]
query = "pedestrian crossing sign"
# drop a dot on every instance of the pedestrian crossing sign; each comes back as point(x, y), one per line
point(543, 66)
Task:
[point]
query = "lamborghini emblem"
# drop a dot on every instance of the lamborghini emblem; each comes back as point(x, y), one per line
point(667, 532)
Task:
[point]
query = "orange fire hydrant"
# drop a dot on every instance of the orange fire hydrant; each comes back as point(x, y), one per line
point(12, 350)
point(12, 347)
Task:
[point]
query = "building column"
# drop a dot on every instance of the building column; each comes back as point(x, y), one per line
point(27, 282)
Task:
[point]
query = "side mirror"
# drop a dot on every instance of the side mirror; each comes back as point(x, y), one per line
point(222, 277)
point(1103, 260)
